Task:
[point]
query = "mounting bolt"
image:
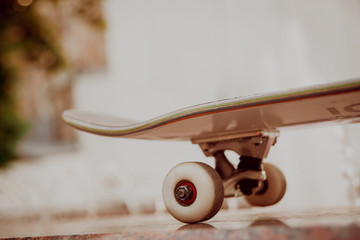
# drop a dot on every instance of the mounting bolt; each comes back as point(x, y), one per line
point(257, 140)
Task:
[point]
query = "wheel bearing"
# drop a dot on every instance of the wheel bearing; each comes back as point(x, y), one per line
point(185, 193)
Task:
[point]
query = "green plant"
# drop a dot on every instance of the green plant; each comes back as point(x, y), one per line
point(25, 37)
point(29, 39)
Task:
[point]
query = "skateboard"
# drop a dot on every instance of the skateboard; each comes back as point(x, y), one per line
point(194, 191)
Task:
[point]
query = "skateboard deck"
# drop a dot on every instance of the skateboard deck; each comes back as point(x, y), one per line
point(329, 103)
point(194, 191)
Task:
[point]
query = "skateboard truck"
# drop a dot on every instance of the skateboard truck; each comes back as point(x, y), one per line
point(253, 147)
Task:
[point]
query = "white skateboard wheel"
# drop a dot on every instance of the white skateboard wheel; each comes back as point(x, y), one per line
point(193, 192)
point(274, 188)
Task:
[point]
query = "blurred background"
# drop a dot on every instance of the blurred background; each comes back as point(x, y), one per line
point(141, 59)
